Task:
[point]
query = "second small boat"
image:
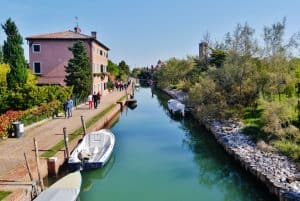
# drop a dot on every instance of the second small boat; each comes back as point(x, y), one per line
point(176, 107)
point(67, 189)
point(93, 151)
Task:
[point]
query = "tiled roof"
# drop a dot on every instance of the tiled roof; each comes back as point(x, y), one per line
point(60, 35)
point(52, 80)
point(67, 35)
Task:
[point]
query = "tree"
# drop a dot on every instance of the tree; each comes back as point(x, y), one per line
point(79, 71)
point(13, 54)
point(124, 70)
point(218, 57)
point(1, 55)
point(113, 68)
point(273, 37)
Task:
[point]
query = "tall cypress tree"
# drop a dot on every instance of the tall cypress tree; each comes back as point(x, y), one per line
point(79, 71)
point(13, 54)
point(1, 55)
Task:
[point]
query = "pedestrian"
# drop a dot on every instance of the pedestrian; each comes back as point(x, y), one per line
point(70, 107)
point(95, 100)
point(65, 105)
point(99, 96)
point(90, 100)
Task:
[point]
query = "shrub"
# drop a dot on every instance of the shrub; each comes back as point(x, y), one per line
point(6, 121)
point(277, 119)
point(44, 111)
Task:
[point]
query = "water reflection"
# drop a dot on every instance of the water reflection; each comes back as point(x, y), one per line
point(97, 174)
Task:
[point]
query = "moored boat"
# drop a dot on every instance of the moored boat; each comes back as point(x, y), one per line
point(176, 107)
point(66, 189)
point(93, 151)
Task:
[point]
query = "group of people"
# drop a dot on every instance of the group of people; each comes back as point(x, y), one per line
point(94, 100)
point(68, 106)
point(120, 85)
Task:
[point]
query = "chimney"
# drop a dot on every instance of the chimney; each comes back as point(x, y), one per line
point(94, 34)
point(77, 29)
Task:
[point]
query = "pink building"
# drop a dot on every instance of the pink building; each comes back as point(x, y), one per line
point(49, 54)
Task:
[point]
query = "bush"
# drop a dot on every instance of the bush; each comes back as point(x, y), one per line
point(277, 119)
point(46, 110)
point(6, 121)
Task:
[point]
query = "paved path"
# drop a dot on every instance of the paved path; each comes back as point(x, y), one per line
point(47, 134)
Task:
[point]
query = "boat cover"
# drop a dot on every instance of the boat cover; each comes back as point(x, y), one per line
point(65, 189)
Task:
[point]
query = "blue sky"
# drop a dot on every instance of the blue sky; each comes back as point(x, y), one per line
point(141, 32)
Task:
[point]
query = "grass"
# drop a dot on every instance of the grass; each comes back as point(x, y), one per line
point(56, 148)
point(4, 194)
point(121, 99)
point(253, 124)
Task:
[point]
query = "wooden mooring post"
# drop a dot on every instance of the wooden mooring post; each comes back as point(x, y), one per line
point(34, 191)
point(83, 125)
point(66, 139)
point(38, 164)
point(28, 167)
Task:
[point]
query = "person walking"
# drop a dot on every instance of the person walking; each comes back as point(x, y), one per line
point(65, 108)
point(99, 97)
point(90, 100)
point(70, 107)
point(95, 100)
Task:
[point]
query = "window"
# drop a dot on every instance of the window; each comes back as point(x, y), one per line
point(106, 54)
point(101, 52)
point(37, 67)
point(36, 48)
point(105, 86)
point(102, 68)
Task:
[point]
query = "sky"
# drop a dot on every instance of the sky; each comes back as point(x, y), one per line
point(143, 31)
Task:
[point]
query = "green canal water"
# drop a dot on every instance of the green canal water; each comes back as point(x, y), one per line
point(159, 158)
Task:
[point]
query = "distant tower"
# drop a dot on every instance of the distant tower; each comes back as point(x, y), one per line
point(204, 52)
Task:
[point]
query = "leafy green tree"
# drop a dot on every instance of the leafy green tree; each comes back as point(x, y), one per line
point(174, 71)
point(13, 54)
point(218, 57)
point(79, 71)
point(124, 70)
point(113, 68)
point(273, 38)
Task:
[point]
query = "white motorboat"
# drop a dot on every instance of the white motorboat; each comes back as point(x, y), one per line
point(93, 151)
point(176, 107)
point(67, 189)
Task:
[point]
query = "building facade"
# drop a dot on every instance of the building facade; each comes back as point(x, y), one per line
point(49, 54)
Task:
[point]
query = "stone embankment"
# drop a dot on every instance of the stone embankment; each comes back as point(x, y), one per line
point(279, 174)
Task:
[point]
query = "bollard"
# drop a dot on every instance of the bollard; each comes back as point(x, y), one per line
point(52, 166)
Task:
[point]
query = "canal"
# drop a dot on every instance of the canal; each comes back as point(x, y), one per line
point(159, 158)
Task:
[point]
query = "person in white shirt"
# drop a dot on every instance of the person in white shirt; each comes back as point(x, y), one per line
point(90, 100)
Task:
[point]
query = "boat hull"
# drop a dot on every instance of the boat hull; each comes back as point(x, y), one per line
point(176, 107)
point(85, 166)
point(81, 160)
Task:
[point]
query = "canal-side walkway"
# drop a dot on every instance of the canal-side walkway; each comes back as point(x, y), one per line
point(47, 135)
